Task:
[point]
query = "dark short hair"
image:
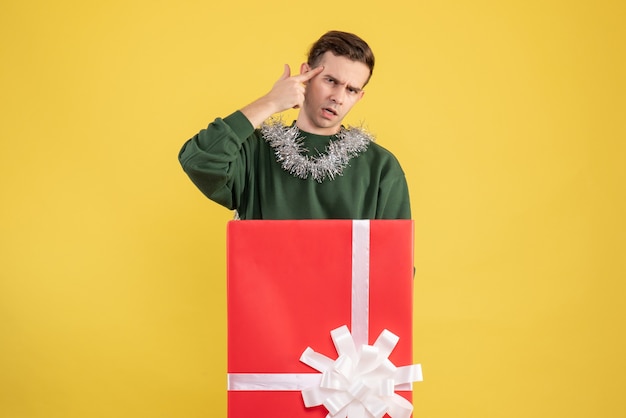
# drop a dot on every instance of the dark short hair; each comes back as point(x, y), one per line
point(342, 44)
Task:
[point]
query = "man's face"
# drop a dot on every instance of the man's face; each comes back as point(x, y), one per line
point(331, 94)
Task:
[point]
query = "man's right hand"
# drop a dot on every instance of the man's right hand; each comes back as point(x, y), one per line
point(287, 93)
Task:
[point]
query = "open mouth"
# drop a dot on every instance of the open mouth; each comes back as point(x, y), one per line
point(330, 111)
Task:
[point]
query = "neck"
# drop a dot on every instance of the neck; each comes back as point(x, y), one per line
point(306, 126)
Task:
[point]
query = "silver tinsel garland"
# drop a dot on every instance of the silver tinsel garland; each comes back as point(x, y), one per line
point(289, 149)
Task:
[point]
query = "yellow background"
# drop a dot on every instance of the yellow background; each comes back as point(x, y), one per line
point(508, 117)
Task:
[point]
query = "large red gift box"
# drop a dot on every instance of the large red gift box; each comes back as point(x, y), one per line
point(290, 283)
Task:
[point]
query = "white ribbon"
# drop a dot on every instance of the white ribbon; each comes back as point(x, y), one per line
point(360, 280)
point(360, 382)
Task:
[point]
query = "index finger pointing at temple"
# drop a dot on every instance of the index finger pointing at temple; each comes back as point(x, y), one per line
point(309, 74)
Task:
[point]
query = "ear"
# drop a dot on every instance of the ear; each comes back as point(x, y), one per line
point(304, 68)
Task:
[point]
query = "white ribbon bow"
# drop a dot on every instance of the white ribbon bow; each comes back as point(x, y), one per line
point(360, 383)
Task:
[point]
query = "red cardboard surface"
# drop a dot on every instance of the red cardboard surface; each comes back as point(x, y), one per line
point(290, 284)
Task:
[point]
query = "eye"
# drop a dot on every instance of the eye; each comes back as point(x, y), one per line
point(330, 80)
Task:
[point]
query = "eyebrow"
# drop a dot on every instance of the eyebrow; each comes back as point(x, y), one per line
point(357, 89)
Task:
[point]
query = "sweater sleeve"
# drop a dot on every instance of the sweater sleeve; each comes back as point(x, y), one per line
point(393, 198)
point(215, 158)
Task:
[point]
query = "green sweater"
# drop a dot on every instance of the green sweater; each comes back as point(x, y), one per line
point(234, 166)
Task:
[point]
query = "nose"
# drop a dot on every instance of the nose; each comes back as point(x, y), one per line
point(338, 96)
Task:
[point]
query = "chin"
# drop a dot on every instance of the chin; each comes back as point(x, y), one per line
point(330, 123)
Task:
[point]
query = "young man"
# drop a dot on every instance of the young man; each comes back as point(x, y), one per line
point(314, 169)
